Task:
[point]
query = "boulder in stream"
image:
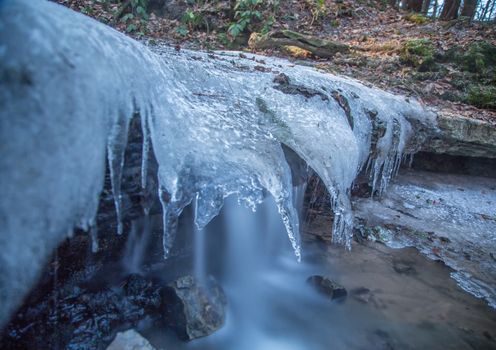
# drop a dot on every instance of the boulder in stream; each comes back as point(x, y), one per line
point(327, 287)
point(198, 309)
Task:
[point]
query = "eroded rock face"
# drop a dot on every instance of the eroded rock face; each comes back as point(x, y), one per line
point(199, 308)
point(460, 136)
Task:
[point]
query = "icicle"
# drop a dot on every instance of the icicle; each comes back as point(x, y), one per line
point(145, 146)
point(290, 219)
point(410, 159)
point(171, 210)
point(115, 153)
point(343, 220)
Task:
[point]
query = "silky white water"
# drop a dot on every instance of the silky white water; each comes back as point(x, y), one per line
point(271, 306)
point(215, 122)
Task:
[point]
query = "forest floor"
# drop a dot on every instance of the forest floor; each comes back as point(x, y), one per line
point(447, 64)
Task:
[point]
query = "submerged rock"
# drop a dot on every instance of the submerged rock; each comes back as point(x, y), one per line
point(199, 309)
point(327, 287)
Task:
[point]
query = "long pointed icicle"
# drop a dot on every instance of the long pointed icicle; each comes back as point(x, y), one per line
point(116, 148)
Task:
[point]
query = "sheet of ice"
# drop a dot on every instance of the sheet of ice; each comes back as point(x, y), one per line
point(447, 217)
point(69, 86)
point(237, 109)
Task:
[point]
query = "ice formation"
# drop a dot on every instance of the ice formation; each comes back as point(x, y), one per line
point(447, 217)
point(215, 122)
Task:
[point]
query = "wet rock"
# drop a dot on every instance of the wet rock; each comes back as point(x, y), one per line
point(85, 319)
point(198, 309)
point(130, 340)
point(327, 287)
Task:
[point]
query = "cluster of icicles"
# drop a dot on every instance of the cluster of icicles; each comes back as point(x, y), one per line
point(214, 121)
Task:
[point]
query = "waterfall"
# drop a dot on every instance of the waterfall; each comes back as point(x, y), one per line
point(199, 244)
point(215, 121)
point(136, 244)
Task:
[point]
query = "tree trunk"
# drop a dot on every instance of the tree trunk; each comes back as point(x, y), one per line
point(414, 5)
point(469, 7)
point(425, 6)
point(450, 9)
point(486, 10)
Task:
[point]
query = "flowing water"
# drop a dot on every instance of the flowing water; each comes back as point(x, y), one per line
point(136, 244)
point(215, 123)
point(397, 299)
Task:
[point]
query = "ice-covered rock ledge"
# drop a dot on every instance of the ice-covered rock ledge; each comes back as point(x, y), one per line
point(69, 86)
point(446, 217)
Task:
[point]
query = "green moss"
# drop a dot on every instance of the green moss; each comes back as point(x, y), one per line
point(416, 18)
point(419, 53)
point(478, 58)
point(482, 96)
point(422, 76)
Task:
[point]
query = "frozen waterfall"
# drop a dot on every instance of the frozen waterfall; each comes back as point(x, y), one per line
point(215, 122)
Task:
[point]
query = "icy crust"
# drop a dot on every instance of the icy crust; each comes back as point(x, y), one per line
point(70, 85)
point(232, 114)
point(447, 217)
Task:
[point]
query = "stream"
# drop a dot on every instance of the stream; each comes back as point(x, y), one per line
point(397, 298)
point(166, 190)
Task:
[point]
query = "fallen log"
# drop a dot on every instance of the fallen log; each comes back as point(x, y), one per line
point(280, 39)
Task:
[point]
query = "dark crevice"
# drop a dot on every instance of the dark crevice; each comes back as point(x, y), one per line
point(285, 86)
point(460, 165)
